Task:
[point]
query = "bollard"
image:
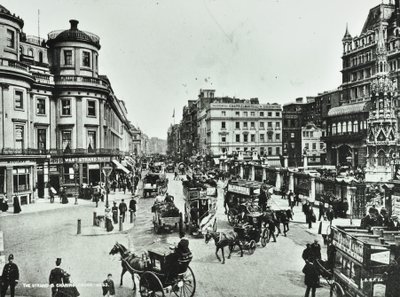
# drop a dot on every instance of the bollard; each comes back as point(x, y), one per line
point(79, 229)
point(120, 223)
point(94, 218)
point(131, 216)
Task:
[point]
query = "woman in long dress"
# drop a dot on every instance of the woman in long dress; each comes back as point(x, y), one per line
point(108, 217)
point(17, 207)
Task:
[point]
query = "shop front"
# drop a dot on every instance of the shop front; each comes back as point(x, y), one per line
point(17, 181)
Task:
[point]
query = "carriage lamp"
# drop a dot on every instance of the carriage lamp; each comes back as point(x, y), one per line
point(107, 171)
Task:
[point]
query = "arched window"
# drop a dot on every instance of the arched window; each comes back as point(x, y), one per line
point(381, 158)
point(30, 52)
point(40, 57)
point(21, 50)
point(344, 127)
point(349, 126)
point(355, 126)
point(339, 128)
point(333, 129)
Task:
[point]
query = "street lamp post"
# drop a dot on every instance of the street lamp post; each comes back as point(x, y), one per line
point(76, 168)
point(107, 171)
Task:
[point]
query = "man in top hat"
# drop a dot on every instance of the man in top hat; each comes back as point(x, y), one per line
point(10, 276)
point(56, 277)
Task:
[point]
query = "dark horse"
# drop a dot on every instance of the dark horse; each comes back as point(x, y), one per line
point(129, 262)
point(222, 240)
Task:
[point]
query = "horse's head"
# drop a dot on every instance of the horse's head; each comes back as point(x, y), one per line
point(208, 236)
point(116, 249)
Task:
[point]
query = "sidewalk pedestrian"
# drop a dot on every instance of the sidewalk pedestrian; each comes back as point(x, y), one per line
point(17, 207)
point(132, 206)
point(122, 210)
point(330, 214)
point(285, 221)
point(311, 278)
point(108, 286)
point(114, 210)
point(10, 277)
point(321, 209)
point(307, 253)
point(316, 250)
point(108, 220)
point(271, 228)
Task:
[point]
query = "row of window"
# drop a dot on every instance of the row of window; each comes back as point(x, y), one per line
point(252, 138)
point(85, 58)
point(41, 138)
point(367, 40)
point(268, 150)
point(347, 127)
point(359, 75)
point(41, 105)
point(253, 113)
point(359, 92)
point(314, 145)
point(245, 125)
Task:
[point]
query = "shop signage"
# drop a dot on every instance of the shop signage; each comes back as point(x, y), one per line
point(396, 205)
point(348, 245)
point(239, 190)
point(381, 257)
point(56, 161)
point(87, 160)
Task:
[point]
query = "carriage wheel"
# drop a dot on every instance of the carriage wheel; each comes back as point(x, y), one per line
point(150, 285)
point(264, 238)
point(252, 246)
point(336, 290)
point(231, 217)
point(187, 284)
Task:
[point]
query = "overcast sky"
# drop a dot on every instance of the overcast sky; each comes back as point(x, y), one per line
point(159, 53)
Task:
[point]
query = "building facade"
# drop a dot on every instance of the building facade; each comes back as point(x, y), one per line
point(313, 147)
point(56, 111)
point(231, 126)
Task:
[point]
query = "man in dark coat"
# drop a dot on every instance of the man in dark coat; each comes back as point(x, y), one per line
point(132, 206)
point(307, 253)
point(114, 211)
point(392, 279)
point(10, 277)
point(311, 278)
point(108, 286)
point(122, 210)
point(262, 200)
point(56, 277)
point(316, 250)
point(330, 214)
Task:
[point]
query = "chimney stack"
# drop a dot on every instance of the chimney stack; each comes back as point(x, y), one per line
point(74, 24)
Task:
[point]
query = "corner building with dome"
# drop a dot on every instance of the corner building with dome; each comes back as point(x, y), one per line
point(56, 111)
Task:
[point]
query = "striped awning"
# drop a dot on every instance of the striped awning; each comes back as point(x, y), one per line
point(120, 166)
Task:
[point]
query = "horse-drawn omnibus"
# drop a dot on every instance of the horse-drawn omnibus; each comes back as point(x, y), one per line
point(361, 259)
point(200, 205)
point(241, 195)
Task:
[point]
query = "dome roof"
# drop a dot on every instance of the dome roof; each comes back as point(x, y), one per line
point(74, 34)
point(5, 13)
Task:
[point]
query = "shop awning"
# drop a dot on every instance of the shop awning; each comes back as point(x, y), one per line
point(120, 166)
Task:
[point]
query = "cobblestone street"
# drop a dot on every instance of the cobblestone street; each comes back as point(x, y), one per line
point(37, 239)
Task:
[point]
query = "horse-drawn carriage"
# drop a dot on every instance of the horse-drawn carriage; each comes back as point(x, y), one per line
point(251, 231)
point(200, 206)
point(163, 271)
point(153, 183)
point(241, 195)
point(166, 216)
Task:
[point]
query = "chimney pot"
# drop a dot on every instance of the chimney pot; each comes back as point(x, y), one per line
point(74, 24)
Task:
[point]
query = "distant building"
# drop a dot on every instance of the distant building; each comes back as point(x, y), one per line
point(157, 146)
point(312, 145)
point(173, 142)
point(230, 126)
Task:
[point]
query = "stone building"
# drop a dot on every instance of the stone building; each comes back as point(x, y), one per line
point(230, 126)
point(56, 110)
